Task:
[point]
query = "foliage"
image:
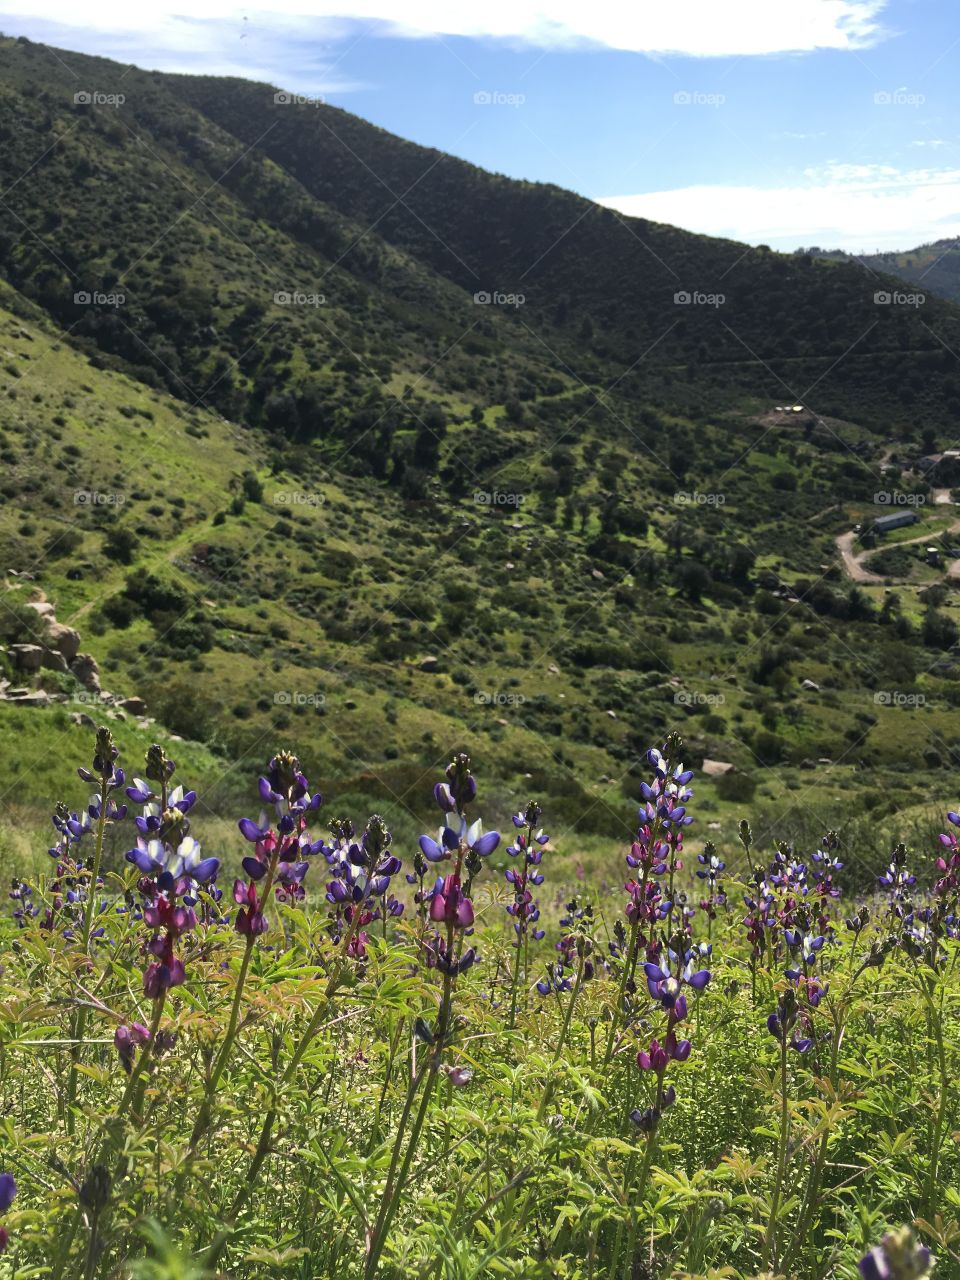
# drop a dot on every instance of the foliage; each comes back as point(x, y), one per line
point(364, 1080)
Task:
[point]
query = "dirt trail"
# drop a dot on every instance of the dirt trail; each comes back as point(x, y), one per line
point(854, 566)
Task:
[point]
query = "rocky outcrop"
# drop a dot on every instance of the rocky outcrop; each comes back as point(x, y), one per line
point(26, 657)
point(57, 653)
point(63, 639)
point(84, 667)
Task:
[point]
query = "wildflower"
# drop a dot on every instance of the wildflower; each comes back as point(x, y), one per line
point(660, 1055)
point(280, 855)
point(450, 905)
point(164, 842)
point(524, 909)
point(668, 990)
point(897, 1257)
point(169, 919)
point(8, 1190)
point(949, 866)
point(458, 1076)
point(127, 1040)
point(784, 1020)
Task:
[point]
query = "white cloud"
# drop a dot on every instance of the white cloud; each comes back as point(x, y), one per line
point(698, 28)
point(843, 206)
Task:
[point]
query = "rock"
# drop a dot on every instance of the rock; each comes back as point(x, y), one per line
point(612, 715)
point(43, 607)
point(716, 768)
point(811, 685)
point(500, 721)
point(54, 661)
point(597, 573)
point(553, 669)
point(31, 698)
point(85, 668)
point(81, 718)
point(824, 760)
point(136, 706)
point(350, 705)
point(26, 657)
point(64, 639)
point(713, 826)
point(429, 664)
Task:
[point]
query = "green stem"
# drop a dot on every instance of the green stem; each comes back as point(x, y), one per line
point(219, 1066)
point(769, 1244)
point(551, 1079)
point(936, 1134)
point(397, 1173)
point(80, 1018)
point(266, 1131)
point(617, 1012)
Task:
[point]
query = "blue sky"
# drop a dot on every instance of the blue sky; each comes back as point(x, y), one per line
point(785, 122)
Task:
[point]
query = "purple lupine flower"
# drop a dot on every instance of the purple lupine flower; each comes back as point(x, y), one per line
point(8, 1191)
point(164, 842)
point(659, 1056)
point(362, 871)
point(126, 1041)
point(169, 918)
point(449, 904)
point(783, 1021)
point(897, 1257)
point(280, 856)
point(524, 909)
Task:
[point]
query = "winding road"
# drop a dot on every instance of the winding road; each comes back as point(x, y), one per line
point(854, 566)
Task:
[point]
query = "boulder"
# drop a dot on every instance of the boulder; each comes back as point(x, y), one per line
point(30, 697)
point(85, 668)
point(81, 718)
point(26, 657)
point(64, 639)
point(811, 685)
point(136, 706)
point(429, 664)
point(716, 768)
point(54, 661)
point(43, 607)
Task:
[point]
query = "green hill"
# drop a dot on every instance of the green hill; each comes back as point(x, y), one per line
point(379, 519)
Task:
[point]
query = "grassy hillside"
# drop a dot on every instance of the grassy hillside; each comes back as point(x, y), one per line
point(397, 522)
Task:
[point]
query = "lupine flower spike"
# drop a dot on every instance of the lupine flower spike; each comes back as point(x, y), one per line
point(897, 1257)
point(8, 1190)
